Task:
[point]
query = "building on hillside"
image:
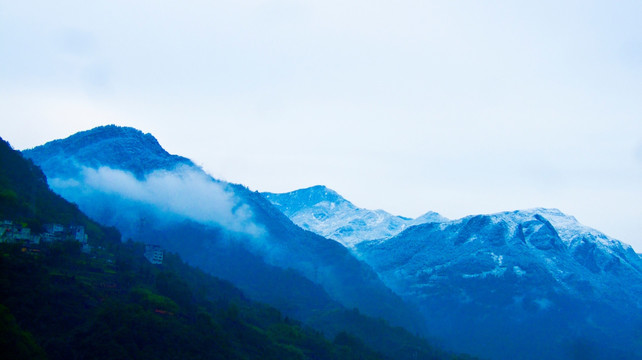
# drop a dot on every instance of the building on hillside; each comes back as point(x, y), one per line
point(154, 254)
point(78, 233)
point(57, 232)
point(14, 233)
point(22, 234)
point(5, 229)
point(53, 232)
point(54, 229)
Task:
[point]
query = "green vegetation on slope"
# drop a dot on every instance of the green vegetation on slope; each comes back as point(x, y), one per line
point(74, 305)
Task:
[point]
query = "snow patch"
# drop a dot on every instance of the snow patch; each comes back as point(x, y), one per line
point(496, 272)
point(518, 271)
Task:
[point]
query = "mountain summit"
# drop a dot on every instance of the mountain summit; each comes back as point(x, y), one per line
point(325, 212)
point(112, 146)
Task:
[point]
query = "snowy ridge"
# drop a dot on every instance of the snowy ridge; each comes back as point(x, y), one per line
point(504, 270)
point(323, 211)
point(575, 235)
point(567, 226)
point(495, 272)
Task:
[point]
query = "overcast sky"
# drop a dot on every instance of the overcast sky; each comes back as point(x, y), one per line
point(461, 107)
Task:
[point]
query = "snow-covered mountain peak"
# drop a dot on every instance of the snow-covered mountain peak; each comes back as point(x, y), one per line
point(315, 196)
point(429, 217)
point(551, 214)
point(325, 212)
point(569, 229)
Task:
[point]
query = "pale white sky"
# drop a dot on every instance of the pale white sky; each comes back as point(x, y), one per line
point(460, 107)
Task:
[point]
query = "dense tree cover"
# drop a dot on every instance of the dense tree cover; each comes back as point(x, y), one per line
point(15, 342)
point(378, 335)
point(73, 305)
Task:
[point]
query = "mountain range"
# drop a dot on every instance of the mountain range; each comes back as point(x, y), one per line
point(525, 284)
point(537, 277)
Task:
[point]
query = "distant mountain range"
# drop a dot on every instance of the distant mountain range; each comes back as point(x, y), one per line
point(524, 284)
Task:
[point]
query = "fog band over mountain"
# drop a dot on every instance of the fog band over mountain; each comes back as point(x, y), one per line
point(183, 193)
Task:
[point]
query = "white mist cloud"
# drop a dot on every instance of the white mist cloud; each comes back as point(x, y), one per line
point(184, 193)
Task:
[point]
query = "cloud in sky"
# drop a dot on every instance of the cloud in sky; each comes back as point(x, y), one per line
point(457, 107)
point(176, 195)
